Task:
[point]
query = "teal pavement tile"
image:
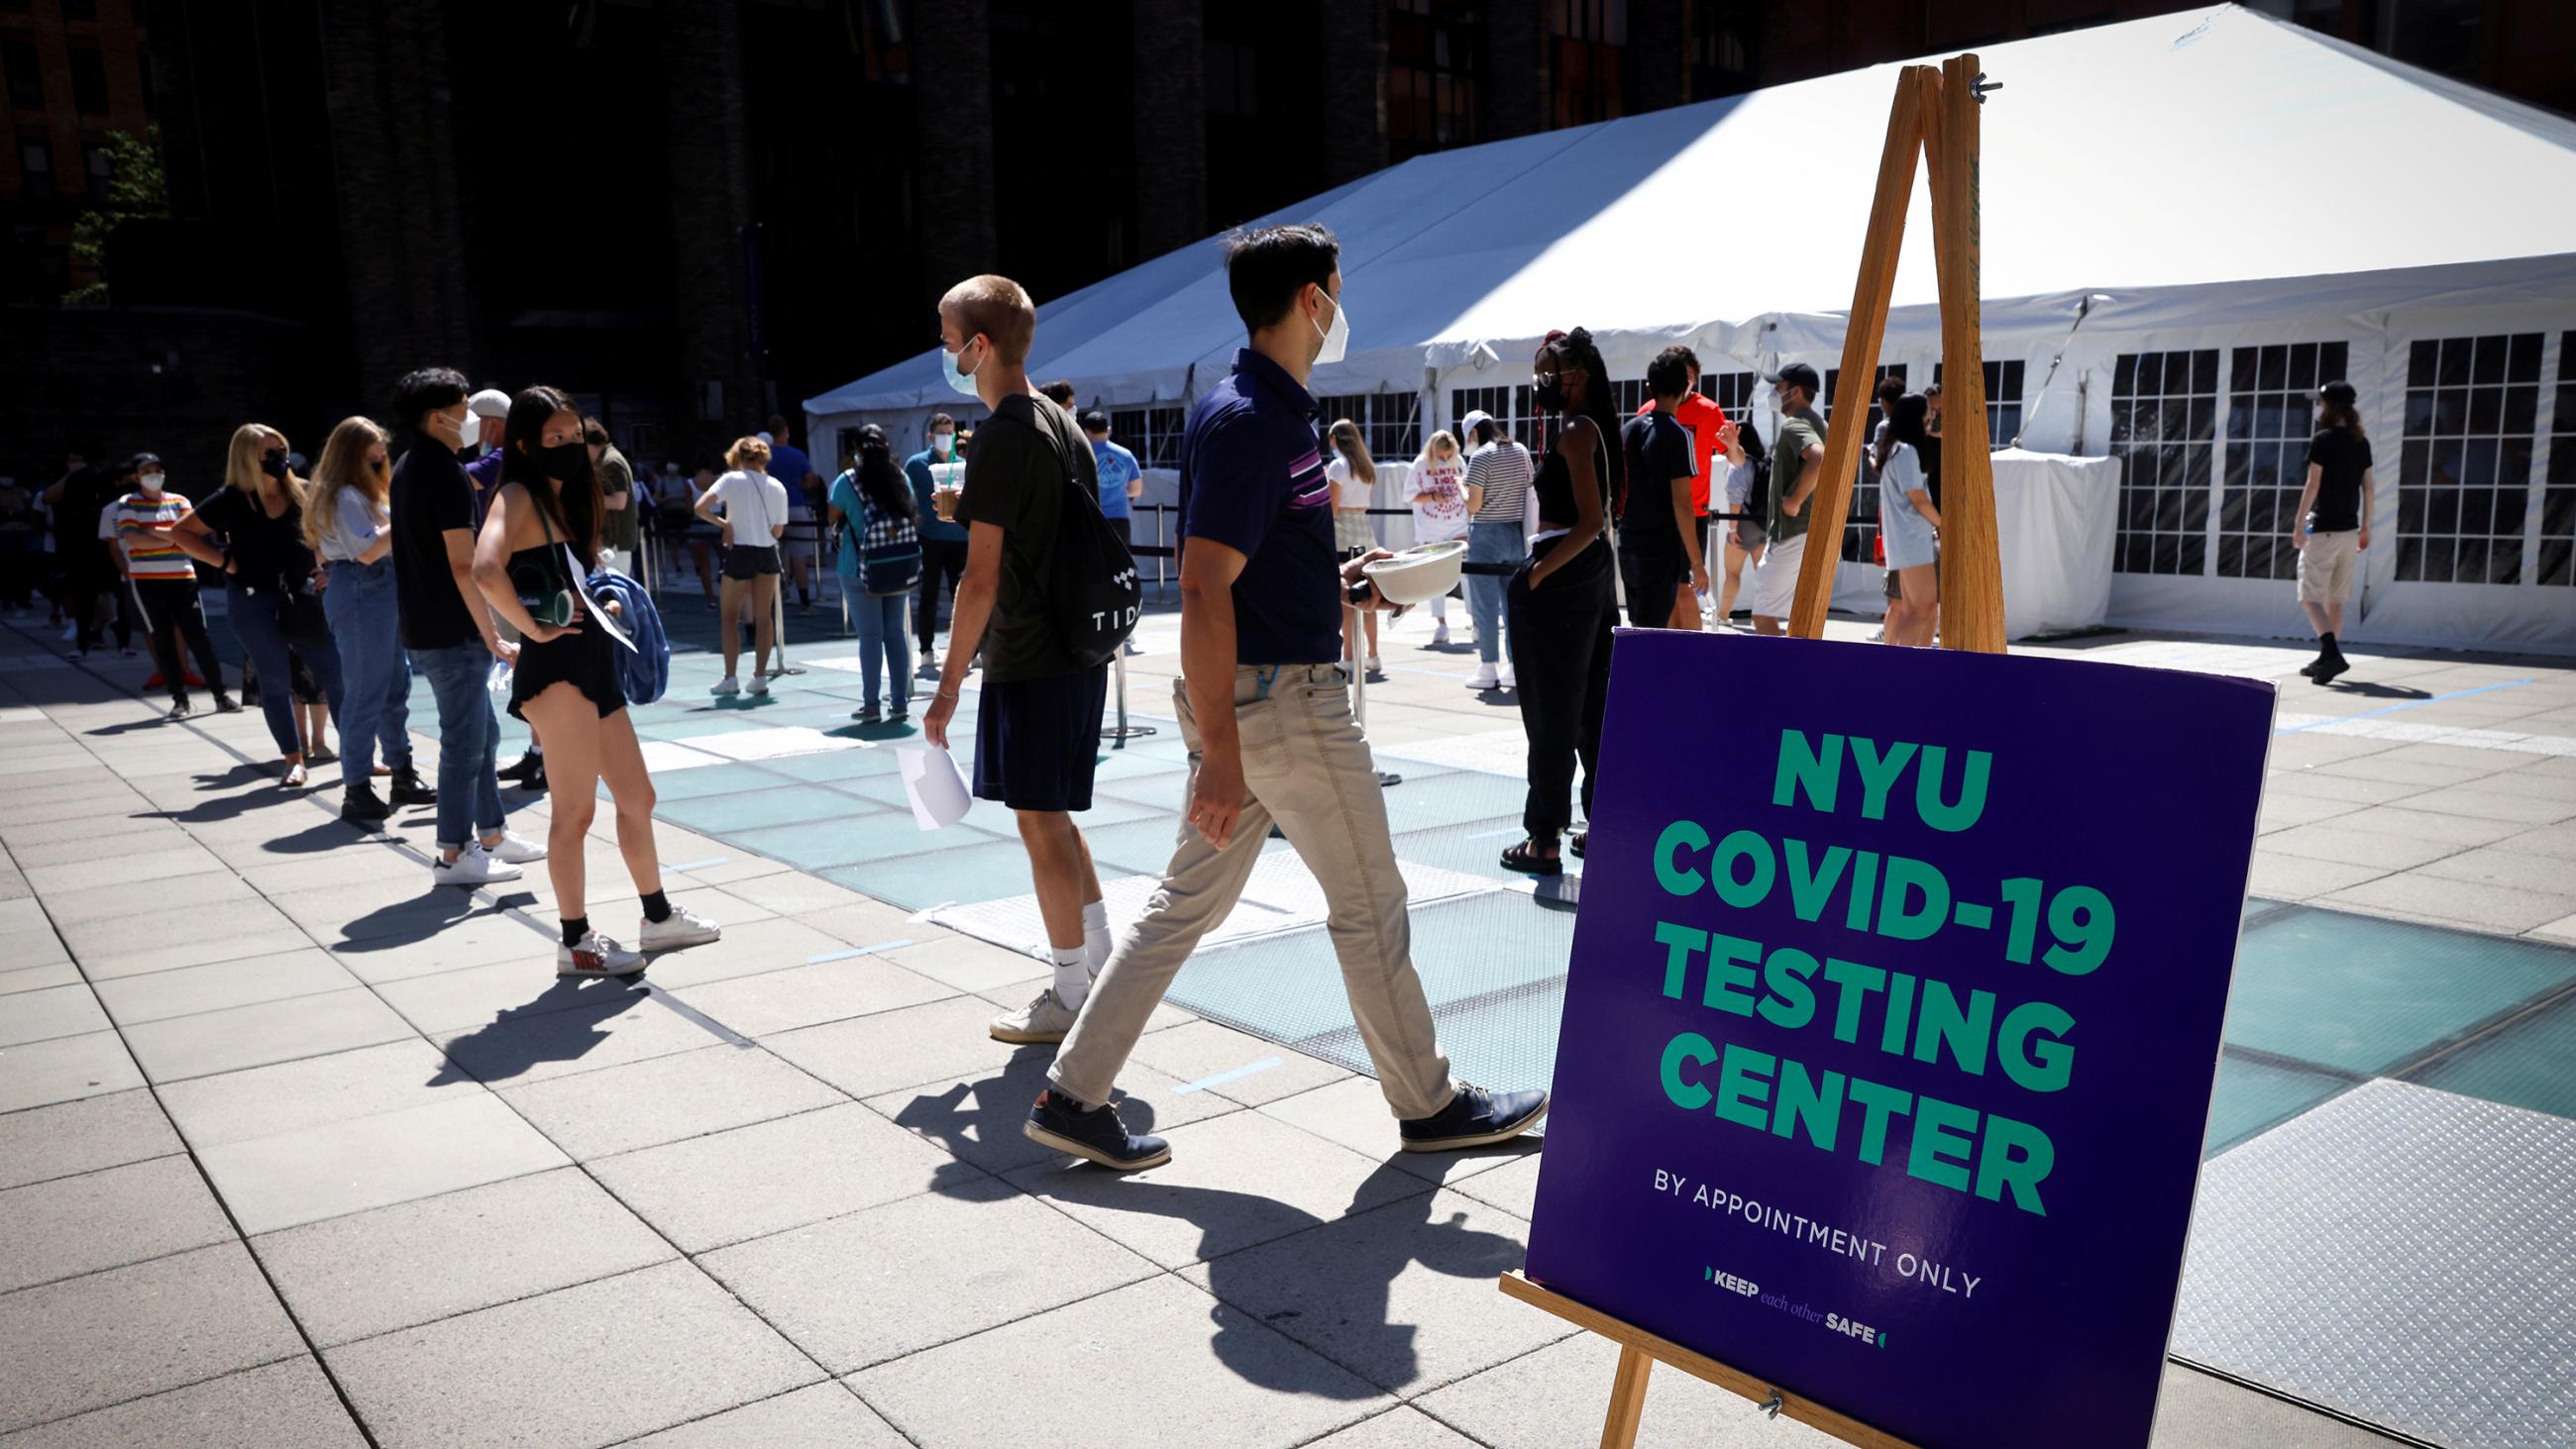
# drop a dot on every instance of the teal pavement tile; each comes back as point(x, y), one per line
point(2530, 1062)
point(756, 810)
point(2365, 994)
point(2256, 1096)
point(854, 837)
point(1473, 847)
point(672, 786)
point(994, 870)
point(834, 765)
point(685, 725)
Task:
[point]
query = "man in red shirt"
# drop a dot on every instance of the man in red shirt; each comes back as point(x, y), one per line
point(1711, 434)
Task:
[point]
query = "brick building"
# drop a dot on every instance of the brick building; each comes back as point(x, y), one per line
point(694, 212)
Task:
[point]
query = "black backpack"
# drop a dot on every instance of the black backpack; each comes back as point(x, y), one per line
point(1098, 597)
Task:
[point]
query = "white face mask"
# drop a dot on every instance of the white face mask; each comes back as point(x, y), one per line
point(152, 483)
point(1337, 338)
point(943, 443)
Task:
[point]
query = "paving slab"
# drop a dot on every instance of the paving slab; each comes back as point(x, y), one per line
point(174, 903)
point(55, 1011)
point(598, 1114)
point(235, 1038)
point(1402, 1427)
point(105, 1219)
point(2338, 841)
point(70, 1138)
point(313, 1173)
point(747, 949)
point(190, 990)
point(284, 1405)
point(964, 962)
point(1556, 1398)
point(227, 932)
point(65, 1068)
point(312, 1092)
point(1353, 1112)
point(1232, 1063)
point(99, 1340)
point(825, 1416)
point(541, 1046)
point(473, 996)
point(372, 1272)
point(1214, 1374)
point(2498, 866)
point(892, 1280)
point(2284, 877)
point(871, 1055)
point(472, 941)
point(1513, 1187)
point(29, 950)
point(650, 1349)
point(776, 1001)
point(2487, 907)
point(979, 1118)
point(750, 1181)
point(2197, 1411)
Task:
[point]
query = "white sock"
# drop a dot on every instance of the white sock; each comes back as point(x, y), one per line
point(1072, 975)
point(1095, 935)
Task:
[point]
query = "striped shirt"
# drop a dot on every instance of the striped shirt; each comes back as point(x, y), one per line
point(1503, 470)
point(149, 558)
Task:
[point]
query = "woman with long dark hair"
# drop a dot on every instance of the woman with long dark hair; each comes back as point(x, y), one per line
point(1745, 467)
point(874, 516)
point(1908, 522)
point(1563, 601)
point(1353, 474)
point(539, 543)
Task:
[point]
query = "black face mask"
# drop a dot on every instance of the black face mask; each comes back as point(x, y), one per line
point(564, 462)
point(1549, 395)
point(273, 464)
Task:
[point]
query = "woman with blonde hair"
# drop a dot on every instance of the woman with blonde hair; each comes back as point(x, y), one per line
point(272, 581)
point(1353, 475)
point(348, 522)
point(755, 515)
point(1443, 505)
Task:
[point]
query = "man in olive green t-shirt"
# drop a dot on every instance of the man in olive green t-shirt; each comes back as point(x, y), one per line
point(1797, 459)
point(617, 529)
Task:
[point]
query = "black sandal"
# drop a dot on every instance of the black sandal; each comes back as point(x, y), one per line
point(1528, 862)
point(1577, 841)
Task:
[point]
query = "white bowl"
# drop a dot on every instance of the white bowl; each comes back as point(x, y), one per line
point(1419, 574)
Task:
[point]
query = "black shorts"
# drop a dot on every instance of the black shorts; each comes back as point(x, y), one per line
point(1037, 741)
point(749, 561)
point(1655, 578)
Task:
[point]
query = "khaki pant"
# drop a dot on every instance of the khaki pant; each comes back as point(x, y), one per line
point(1307, 767)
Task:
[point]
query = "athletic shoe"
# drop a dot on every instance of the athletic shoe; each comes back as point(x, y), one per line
point(473, 866)
point(516, 849)
point(226, 704)
point(760, 686)
point(361, 805)
point(535, 783)
point(929, 668)
point(597, 955)
point(2328, 669)
point(409, 789)
point(1439, 636)
point(1374, 667)
point(179, 709)
point(868, 714)
point(1474, 1118)
point(127, 651)
point(1508, 682)
point(1485, 678)
point(1059, 1122)
point(684, 928)
point(726, 686)
point(524, 766)
point(1044, 1020)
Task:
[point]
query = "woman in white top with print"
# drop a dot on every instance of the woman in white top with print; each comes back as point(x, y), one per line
point(754, 514)
point(1443, 505)
point(1353, 475)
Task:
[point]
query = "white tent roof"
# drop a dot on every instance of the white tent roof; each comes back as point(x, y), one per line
point(2204, 150)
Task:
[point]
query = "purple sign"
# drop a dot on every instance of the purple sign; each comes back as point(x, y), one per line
point(1892, 1022)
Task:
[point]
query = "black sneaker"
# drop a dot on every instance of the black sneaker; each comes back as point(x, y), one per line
point(360, 805)
point(1059, 1122)
point(406, 788)
point(2329, 667)
point(226, 704)
point(528, 764)
point(867, 714)
point(534, 782)
point(179, 709)
point(1474, 1118)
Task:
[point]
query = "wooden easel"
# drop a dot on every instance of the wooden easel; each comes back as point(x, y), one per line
point(1935, 114)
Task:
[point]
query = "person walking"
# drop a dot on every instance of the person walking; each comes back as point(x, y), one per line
point(1564, 600)
point(1266, 713)
point(1498, 477)
point(1659, 530)
point(880, 566)
point(1909, 524)
point(754, 516)
point(2333, 523)
point(569, 685)
point(164, 581)
point(1711, 435)
point(1353, 475)
point(448, 628)
point(1443, 507)
point(619, 507)
point(350, 526)
point(78, 501)
point(943, 539)
point(795, 472)
point(705, 540)
point(272, 580)
point(1747, 474)
point(1797, 463)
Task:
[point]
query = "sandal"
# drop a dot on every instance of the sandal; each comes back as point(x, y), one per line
point(1529, 862)
point(294, 779)
point(1577, 841)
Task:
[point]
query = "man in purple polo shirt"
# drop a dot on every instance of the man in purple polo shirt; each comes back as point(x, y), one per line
point(1266, 712)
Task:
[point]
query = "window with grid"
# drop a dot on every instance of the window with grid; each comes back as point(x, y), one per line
point(2003, 400)
point(2164, 427)
point(1432, 62)
point(2464, 461)
point(2557, 563)
point(1587, 54)
point(1390, 422)
point(1152, 434)
point(1860, 525)
point(2271, 414)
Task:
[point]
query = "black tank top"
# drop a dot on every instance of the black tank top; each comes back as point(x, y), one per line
point(1554, 486)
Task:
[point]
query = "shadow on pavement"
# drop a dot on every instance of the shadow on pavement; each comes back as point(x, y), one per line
point(557, 1025)
point(2366, 690)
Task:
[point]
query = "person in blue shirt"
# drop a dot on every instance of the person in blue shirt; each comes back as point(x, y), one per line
point(943, 541)
point(1122, 478)
point(1265, 707)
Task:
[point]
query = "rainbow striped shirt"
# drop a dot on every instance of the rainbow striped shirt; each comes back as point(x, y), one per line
point(149, 558)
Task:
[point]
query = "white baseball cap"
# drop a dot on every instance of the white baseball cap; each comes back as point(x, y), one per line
point(1468, 423)
point(491, 402)
point(766, 438)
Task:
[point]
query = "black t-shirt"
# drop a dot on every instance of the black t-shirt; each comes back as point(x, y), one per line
point(269, 550)
point(1659, 451)
point(431, 495)
point(1015, 471)
point(85, 496)
point(2344, 455)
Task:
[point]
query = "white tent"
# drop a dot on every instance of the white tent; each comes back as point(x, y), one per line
point(2186, 221)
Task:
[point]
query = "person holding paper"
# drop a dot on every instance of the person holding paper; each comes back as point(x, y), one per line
point(539, 542)
point(1265, 707)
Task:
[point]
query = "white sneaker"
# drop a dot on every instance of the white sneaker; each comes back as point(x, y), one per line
point(1043, 1020)
point(597, 955)
point(725, 685)
point(1484, 679)
point(474, 866)
point(685, 928)
point(1508, 682)
point(759, 685)
point(1374, 667)
point(516, 849)
point(929, 668)
point(1439, 635)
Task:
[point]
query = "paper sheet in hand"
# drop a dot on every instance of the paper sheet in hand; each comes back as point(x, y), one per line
point(935, 786)
point(593, 610)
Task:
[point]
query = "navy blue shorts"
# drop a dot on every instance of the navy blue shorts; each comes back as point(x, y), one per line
point(1037, 740)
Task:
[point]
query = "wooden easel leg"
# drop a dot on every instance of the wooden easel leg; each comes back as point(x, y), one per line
point(1972, 580)
point(1627, 1399)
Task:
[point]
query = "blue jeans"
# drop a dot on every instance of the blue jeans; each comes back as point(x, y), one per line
point(883, 642)
point(254, 618)
point(1498, 542)
point(374, 671)
point(469, 793)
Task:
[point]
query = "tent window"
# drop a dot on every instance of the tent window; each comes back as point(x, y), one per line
point(1391, 422)
point(1860, 528)
point(2163, 424)
point(2003, 400)
point(2271, 394)
point(1152, 434)
point(2558, 505)
point(2464, 462)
